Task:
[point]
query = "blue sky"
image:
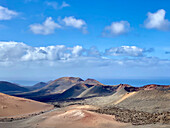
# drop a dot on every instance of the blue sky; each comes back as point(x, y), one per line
point(113, 39)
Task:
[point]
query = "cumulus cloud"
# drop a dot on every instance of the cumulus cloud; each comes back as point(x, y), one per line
point(15, 51)
point(6, 14)
point(157, 21)
point(10, 51)
point(75, 23)
point(47, 27)
point(56, 5)
point(77, 51)
point(127, 51)
point(116, 29)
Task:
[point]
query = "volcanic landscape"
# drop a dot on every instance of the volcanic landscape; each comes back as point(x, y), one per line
point(71, 102)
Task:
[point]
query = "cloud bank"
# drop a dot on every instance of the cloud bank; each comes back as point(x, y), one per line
point(19, 60)
point(127, 51)
point(18, 51)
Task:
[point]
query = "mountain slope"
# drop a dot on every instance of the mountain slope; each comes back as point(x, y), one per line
point(103, 101)
point(74, 91)
point(14, 106)
point(147, 100)
point(97, 90)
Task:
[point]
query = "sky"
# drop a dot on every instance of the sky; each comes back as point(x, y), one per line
point(42, 40)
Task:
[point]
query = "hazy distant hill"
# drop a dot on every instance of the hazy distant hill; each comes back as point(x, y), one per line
point(37, 86)
point(10, 88)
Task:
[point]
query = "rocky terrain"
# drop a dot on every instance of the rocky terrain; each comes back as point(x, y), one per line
point(136, 117)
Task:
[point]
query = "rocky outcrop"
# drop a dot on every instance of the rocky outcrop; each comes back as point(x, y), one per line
point(136, 117)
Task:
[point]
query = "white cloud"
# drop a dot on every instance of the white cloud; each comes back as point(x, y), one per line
point(77, 50)
point(75, 23)
point(48, 27)
point(16, 51)
point(10, 51)
point(116, 29)
point(64, 4)
point(127, 51)
point(157, 21)
point(55, 5)
point(6, 14)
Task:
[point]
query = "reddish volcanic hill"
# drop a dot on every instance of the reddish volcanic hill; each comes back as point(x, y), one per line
point(61, 84)
point(92, 82)
point(14, 106)
point(154, 86)
point(122, 86)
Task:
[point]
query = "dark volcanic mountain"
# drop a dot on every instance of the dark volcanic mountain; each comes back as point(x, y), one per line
point(10, 88)
point(61, 84)
point(74, 91)
point(55, 87)
point(68, 87)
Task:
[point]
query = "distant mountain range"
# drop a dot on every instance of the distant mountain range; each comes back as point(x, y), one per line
point(70, 88)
